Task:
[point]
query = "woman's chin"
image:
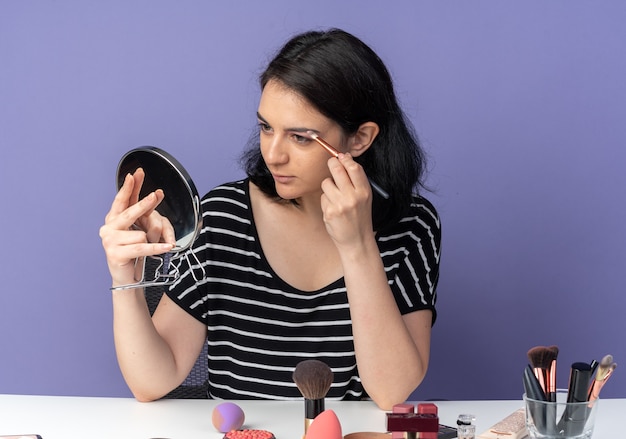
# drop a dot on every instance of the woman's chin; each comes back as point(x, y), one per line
point(286, 192)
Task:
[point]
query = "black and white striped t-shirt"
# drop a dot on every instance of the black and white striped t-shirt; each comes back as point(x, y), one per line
point(260, 328)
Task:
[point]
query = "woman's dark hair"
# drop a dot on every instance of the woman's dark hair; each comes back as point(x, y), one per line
point(347, 82)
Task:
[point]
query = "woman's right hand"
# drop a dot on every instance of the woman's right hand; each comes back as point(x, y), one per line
point(133, 229)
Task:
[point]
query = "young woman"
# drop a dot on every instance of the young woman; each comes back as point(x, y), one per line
point(302, 259)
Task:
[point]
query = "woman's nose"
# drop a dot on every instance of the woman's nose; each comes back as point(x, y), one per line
point(275, 151)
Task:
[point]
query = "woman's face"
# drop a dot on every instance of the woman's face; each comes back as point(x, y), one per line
point(297, 163)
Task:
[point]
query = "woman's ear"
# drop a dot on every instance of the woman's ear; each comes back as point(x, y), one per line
point(363, 138)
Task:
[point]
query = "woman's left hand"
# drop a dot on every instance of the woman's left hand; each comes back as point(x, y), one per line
point(347, 202)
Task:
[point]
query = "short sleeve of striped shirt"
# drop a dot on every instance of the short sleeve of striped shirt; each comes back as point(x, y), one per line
point(410, 251)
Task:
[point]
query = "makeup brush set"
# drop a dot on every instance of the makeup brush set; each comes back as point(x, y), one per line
point(562, 413)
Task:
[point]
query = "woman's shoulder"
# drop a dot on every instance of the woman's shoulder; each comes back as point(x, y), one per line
point(230, 198)
point(233, 189)
point(420, 217)
point(425, 210)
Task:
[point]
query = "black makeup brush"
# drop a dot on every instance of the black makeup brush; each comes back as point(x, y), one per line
point(543, 361)
point(313, 378)
point(531, 385)
point(574, 417)
point(535, 392)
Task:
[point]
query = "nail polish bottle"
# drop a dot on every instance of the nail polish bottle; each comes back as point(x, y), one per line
point(465, 428)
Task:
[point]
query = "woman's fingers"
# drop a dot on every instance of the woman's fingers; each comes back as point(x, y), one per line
point(168, 231)
point(128, 194)
point(348, 176)
point(122, 198)
point(138, 178)
point(346, 201)
point(123, 246)
point(134, 229)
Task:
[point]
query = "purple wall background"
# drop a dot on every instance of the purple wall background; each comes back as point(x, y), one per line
point(521, 106)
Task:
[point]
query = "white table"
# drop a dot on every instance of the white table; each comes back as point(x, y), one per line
point(58, 417)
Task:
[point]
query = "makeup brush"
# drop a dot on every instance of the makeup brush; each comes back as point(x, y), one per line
point(603, 373)
point(580, 374)
point(543, 361)
point(534, 391)
point(313, 378)
point(531, 385)
point(332, 151)
point(575, 415)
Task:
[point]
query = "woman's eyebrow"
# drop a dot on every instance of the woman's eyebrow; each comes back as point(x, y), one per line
point(261, 118)
point(293, 129)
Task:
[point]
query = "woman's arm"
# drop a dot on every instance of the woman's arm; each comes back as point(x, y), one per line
point(155, 355)
point(392, 350)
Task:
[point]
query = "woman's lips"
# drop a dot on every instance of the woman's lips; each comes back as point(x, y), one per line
point(283, 179)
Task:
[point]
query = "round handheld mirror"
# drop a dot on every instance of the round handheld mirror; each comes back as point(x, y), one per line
point(181, 206)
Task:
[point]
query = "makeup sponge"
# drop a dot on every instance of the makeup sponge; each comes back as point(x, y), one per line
point(227, 416)
point(325, 426)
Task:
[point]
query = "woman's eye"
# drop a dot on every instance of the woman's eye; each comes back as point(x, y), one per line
point(265, 127)
point(301, 139)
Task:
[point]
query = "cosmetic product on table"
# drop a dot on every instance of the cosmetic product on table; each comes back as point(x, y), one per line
point(543, 361)
point(578, 425)
point(227, 416)
point(428, 409)
point(249, 434)
point(367, 435)
point(313, 378)
point(325, 426)
point(604, 370)
point(409, 409)
point(401, 408)
point(465, 428)
point(511, 427)
point(411, 421)
point(423, 424)
point(570, 413)
point(533, 390)
point(574, 416)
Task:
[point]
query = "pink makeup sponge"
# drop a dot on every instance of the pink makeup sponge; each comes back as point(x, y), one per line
point(325, 426)
point(227, 416)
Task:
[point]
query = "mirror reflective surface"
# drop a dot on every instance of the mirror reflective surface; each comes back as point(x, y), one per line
point(181, 206)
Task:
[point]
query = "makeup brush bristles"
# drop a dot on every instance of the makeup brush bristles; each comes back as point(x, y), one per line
point(542, 356)
point(603, 373)
point(313, 378)
point(604, 367)
point(543, 361)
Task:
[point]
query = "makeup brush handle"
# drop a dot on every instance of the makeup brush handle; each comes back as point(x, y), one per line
point(378, 189)
point(574, 417)
point(534, 391)
point(532, 387)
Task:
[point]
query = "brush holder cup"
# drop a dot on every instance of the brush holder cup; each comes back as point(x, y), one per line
point(560, 419)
